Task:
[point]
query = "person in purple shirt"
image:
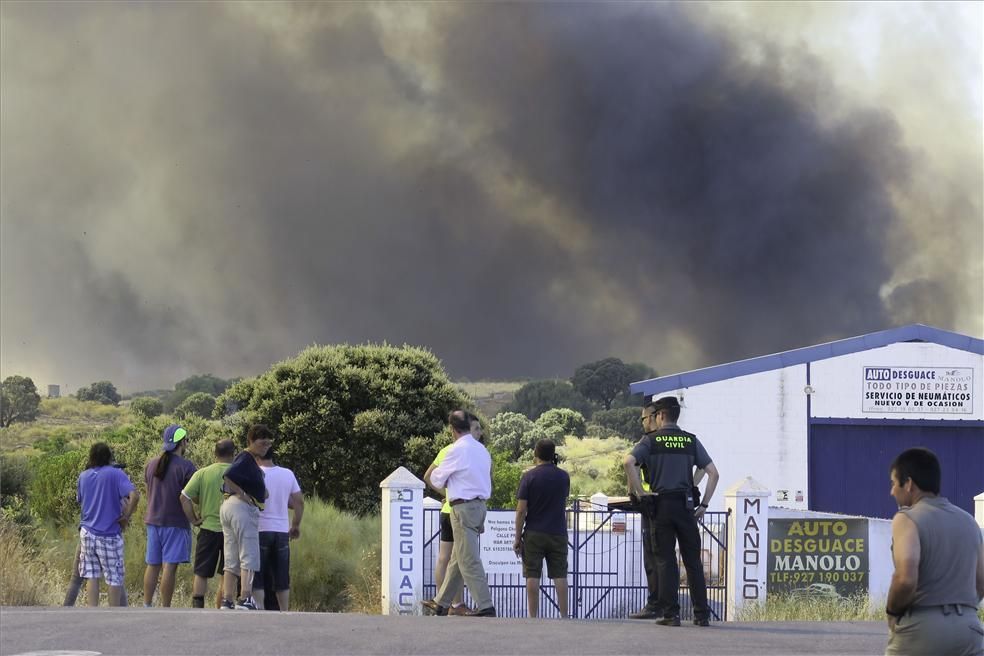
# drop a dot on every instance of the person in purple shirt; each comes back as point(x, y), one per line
point(168, 529)
point(101, 487)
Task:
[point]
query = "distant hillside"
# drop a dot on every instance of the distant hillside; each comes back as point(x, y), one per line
point(491, 396)
point(66, 417)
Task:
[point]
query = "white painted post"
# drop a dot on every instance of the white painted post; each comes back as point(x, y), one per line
point(979, 509)
point(403, 544)
point(748, 535)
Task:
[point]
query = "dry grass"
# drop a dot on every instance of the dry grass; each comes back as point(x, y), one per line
point(813, 609)
point(25, 579)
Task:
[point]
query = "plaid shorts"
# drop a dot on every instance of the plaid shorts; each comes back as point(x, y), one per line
point(102, 556)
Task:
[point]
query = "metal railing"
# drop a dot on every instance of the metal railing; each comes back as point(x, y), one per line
point(606, 578)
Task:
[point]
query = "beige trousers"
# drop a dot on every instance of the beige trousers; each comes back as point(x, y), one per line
point(465, 566)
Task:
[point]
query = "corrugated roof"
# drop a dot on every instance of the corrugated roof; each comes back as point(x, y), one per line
point(916, 332)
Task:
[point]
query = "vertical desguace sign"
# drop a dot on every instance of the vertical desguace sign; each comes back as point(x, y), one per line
point(818, 557)
point(402, 549)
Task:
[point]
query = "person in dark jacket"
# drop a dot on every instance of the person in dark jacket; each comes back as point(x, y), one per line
point(240, 515)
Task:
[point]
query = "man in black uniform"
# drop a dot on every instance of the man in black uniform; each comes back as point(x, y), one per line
point(670, 456)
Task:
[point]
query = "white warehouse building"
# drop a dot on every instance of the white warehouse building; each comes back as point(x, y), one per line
point(819, 426)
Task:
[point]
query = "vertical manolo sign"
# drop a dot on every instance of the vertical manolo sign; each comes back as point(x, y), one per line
point(818, 557)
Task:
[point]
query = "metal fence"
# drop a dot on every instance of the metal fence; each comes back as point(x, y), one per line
point(605, 573)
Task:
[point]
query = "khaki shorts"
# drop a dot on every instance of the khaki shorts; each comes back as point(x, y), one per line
point(241, 532)
point(536, 547)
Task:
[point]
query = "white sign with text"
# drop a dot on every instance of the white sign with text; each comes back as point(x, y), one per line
point(942, 390)
point(497, 543)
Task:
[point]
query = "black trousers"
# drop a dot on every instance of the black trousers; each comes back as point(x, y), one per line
point(649, 555)
point(674, 521)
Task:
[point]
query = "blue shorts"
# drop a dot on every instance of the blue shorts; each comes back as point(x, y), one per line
point(168, 544)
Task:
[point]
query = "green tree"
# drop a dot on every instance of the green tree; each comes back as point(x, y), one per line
point(101, 391)
point(343, 415)
point(198, 404)
point(505, 481)
point(206, 383)
point(602, 381)
point(624, 421)
point(19, 400)
point(535, 398)
point(637, 371)
point(506, 433)
point(146, 406)
point(570, 422)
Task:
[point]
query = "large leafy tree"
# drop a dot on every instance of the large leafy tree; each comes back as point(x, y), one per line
point(535, 398)
point(343, 415)
point(602, 381)
point(101, 391)
point(19, 400)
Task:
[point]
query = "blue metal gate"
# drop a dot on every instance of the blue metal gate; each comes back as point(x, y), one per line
point(605, 572)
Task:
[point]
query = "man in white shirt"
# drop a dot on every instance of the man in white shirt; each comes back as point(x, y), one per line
point(276, 531)
point(466, 472)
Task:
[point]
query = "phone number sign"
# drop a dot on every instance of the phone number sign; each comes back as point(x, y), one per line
point(812, 558)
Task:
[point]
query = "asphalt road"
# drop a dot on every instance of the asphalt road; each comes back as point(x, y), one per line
point(138, 631)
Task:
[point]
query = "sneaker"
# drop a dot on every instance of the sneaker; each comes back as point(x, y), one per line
point(646, 613)
point(460, 609)
point(227, 605)
point(702, 621)
point(673, 620)
point(245, 604)
point(431, 607)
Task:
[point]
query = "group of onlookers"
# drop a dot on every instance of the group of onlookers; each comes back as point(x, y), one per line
point(241, 505)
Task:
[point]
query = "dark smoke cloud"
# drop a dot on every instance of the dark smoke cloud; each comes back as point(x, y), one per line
point(206, 187)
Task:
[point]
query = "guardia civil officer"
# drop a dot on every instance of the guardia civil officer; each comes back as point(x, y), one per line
point(670, 456)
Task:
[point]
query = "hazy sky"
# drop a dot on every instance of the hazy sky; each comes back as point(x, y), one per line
point(207, 187)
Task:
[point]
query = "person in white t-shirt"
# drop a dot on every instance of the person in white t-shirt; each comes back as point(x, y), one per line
point(277, 529)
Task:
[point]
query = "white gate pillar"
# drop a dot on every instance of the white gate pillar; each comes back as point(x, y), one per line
point(979, 509)
point(403, 544)
point(748, 536)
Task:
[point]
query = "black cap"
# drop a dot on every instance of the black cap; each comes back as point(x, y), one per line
point(665, 403)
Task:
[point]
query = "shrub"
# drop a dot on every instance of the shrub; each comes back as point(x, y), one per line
point(146, 406)
point(15, 475)
point(505, 481)
point(570, 422)
point(198, 404)
point(54, 485)
point(343, 414)
point(101, 391)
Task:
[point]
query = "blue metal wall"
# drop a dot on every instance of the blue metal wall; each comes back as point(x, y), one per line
point(849, 463)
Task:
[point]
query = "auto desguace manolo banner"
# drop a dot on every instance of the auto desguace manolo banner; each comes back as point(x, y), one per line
point(818, 557)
